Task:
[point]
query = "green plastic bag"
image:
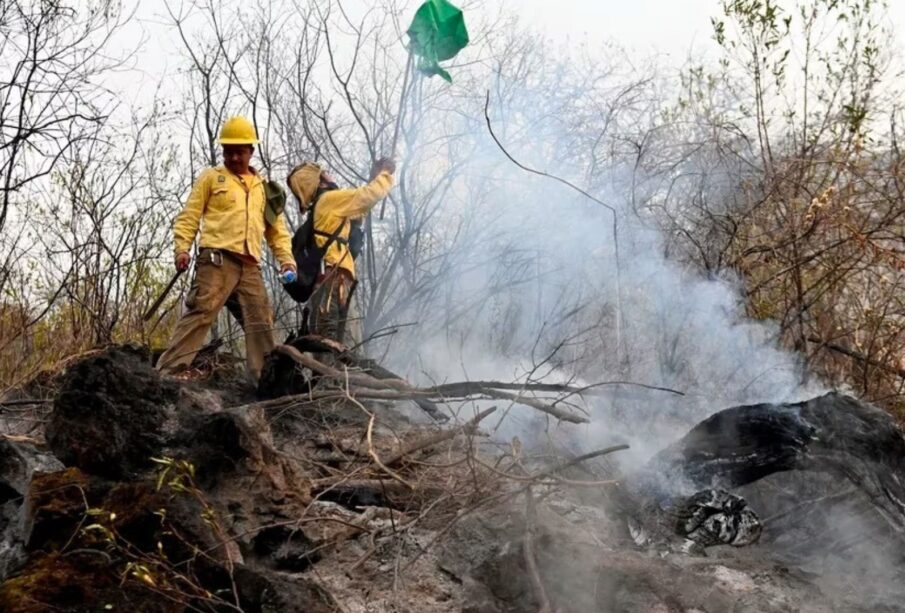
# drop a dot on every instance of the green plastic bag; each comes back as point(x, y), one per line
point(437, 34)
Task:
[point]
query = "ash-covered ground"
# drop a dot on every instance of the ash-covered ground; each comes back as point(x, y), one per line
point(125, 491)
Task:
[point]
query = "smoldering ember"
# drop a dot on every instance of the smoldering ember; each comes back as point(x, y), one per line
point(347, 306)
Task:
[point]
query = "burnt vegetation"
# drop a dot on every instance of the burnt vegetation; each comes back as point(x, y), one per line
point(602, 312)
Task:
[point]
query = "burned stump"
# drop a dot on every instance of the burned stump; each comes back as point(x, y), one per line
point(164, 493)
point(109, 414)
point(137, 547)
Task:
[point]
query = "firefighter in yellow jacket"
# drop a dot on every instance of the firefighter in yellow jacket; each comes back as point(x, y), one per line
point(335, 209)
point(227, 204)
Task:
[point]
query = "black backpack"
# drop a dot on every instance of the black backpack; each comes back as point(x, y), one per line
point(308, 256)
point(356, 238)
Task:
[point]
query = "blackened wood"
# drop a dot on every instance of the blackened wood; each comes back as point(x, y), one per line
point(833, 433)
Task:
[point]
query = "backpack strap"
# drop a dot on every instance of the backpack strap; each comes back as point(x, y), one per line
point(334, 236)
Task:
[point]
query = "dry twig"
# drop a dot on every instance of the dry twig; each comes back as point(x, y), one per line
point(373, 452)
point(468, 427)
point(534, 403)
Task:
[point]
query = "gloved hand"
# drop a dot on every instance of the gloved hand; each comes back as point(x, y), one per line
point(182, 261)
point(383, 164)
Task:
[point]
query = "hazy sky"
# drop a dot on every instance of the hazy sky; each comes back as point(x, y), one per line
point(665, 26)
point(668, 26)
point(670, 29)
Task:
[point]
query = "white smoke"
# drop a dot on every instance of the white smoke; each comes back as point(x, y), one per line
point(542, 295)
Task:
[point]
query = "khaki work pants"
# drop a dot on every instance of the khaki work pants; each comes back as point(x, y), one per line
point(333, 312)
point(217, 275)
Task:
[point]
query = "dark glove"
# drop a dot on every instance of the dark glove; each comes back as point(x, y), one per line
point(383, 164)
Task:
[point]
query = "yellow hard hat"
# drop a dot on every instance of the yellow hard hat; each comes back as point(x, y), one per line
point(238, 131)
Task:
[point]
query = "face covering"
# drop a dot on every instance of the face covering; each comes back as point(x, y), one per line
point(324, 187)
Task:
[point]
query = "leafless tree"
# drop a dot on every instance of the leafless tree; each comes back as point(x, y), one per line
point(51, 94)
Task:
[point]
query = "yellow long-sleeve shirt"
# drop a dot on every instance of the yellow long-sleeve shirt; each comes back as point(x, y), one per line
point(230, 215)
point(336, 207)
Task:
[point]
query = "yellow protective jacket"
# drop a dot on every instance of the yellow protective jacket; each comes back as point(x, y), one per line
point(231, 217)
point(336, 207)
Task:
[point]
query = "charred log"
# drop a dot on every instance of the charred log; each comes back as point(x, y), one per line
point(284, 376)
point(833, 433)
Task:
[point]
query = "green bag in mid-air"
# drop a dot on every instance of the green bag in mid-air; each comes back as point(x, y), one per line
point(437, 33)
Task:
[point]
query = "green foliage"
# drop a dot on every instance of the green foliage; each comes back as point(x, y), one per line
point(800, 117)
point(815, 65)
point(152, 567)
point(177, 475)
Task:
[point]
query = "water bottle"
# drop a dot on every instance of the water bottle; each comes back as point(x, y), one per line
point(287, 276)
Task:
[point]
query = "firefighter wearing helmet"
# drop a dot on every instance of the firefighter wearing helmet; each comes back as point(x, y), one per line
point(228, 207)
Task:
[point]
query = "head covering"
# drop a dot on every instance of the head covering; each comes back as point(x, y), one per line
point(303, 180)
point(238, 131)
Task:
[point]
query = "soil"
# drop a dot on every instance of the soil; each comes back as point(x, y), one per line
point(160, 495)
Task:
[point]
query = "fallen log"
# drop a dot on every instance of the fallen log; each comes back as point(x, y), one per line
point(379, 372)
point(351, 377)
point(534, 403)
point(367, 373)
point(364, 386)
point(415, 394)
point(463, 387)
